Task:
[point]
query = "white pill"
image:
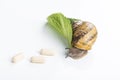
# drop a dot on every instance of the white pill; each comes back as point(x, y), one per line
point(37, 59)
point(47, 52)
point(17, 57)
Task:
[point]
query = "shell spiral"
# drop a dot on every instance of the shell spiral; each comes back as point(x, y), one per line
point(84, 35)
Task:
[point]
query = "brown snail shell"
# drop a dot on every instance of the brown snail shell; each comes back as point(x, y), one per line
point(84, 36)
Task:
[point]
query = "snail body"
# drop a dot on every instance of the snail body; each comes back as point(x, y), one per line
point(84, 36)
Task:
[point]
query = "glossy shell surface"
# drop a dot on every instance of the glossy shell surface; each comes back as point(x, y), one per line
point(84, 35)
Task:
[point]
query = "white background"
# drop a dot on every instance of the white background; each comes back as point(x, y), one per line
point(23, 29)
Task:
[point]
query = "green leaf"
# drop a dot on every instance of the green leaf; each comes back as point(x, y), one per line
point(62, 25)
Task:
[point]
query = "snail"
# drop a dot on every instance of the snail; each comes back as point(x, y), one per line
point(78, 35)
point(84, 36)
